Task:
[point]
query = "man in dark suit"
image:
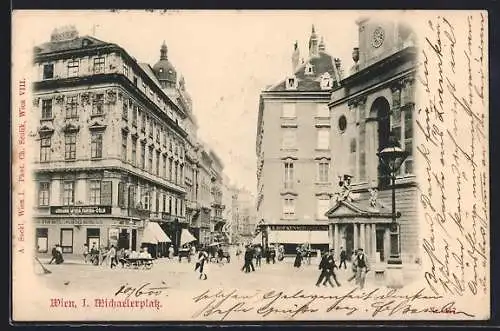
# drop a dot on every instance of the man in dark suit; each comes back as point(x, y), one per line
point(327, 266)
point(343, 258)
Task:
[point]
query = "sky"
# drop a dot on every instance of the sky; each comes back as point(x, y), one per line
point(226, 57)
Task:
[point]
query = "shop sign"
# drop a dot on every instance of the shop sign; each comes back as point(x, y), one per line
point(298, 227)
point(80, 210)
point(71, 222)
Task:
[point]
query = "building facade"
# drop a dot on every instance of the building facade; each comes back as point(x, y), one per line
point(296, 161)
point(375, 101)
point(116, 146)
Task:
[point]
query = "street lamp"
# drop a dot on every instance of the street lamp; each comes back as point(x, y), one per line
point(392, 157)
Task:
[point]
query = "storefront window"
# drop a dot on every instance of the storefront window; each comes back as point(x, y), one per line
point(67, 240)
point(93, 238)
point(42, 240)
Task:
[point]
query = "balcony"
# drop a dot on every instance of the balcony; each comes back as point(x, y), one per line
point(193, 205)
point(138, 213)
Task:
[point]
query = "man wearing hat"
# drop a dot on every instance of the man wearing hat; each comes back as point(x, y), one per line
point(327, 266)
point(361, 262)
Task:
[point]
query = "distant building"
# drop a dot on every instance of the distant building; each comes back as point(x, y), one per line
point(295, 158)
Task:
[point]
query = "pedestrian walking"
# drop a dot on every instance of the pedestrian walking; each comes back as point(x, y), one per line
point(171, 252)
point(112, 257)
point(258, 256)
point(343, 258)
point(248, 260)
point(201, 264)
point(298, 258)
point(360, 267)
point(324, 275)
point(85, 253)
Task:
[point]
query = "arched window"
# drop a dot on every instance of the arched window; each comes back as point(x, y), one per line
point(381, 109)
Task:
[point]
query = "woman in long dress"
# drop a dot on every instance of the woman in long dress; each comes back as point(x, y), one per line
point(298, 258)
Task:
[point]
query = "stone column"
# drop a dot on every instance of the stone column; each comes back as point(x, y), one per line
point(371, 149)
point(374, 242)
point(368, 233)
point(336, 239)
point(362, 241)
point(355, 235)
point(331, 242)
point(387, 244)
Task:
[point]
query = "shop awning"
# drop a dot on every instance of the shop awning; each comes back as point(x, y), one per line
point(298, 237)
point(186, 237)
point(257, 240)
point(153, 234)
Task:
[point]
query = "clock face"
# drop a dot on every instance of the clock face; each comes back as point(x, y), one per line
point(378, 37)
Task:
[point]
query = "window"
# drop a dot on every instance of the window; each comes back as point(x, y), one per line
point(46, 109)
point(143, 122)
point(42, 238)
point(125, 70)
point(99, 65)
point(150, 159)
point(48, 71)
point(145, 199)
point(151, 127)
point(164, 133)
point(45, 145)
point(124, 147)
point(288, 180)
point(408, 139)
point(96, 145)
point(309, 69)
point(289, 138)
point(288, 208)
point(323, 169)
point(170, 169)
point(291, 83)
point(322, 207)
point(352, 156)
point(135, 80)
point(144, 87)
point(323, 111)
point(71, 107)
point(43, 193)
point(164, 202)
point(323, 139)
point(70, 146)
point(68, 193)
point(157, 133)
point(143, 156)
point(121, 194)
point(157, 163)
point(134, 116)
point(98, 105)
point(134, 151)
point(342, 123)
point(67, 240)
point(176, 174)
point(125, 110)
point(73, 67)
point(164, 166)
point(95, 192)
point(288, 110)
point(94, 237)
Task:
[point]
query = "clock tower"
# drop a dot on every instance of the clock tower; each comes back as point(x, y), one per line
point(377, 39)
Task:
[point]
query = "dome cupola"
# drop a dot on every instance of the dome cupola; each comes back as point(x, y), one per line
point(164, 70)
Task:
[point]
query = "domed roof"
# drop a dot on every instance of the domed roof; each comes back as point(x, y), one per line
point(163, 69)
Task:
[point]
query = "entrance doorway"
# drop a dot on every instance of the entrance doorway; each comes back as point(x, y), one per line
point(349, 240)
point(380, 244)
point(124, 239)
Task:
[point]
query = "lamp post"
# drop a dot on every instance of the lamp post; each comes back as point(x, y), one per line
point(392, 157)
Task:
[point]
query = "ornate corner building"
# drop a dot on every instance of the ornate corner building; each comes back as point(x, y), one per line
point(117, 147)
point(337, 130)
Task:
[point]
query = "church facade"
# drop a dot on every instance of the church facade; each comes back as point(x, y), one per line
point(375, 101)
